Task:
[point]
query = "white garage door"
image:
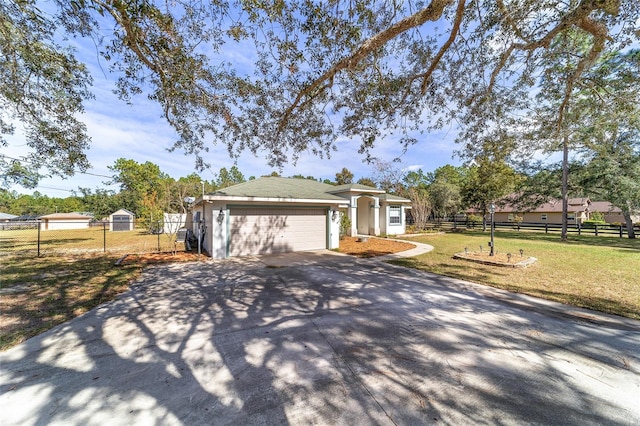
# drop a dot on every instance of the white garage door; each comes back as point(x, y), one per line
point(276, 230)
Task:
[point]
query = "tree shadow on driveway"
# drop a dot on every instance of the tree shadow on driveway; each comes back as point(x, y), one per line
point(339, 342)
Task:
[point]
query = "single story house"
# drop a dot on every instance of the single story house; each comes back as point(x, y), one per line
point(59, 221)
point(275, 215)
point(579, 210)
point(25, 221)
point(122, 220)
point(549, 212)
point(6, 217)
point(610, 212)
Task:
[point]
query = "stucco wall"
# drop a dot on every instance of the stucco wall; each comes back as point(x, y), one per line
point(392, 229)
point(334, 230)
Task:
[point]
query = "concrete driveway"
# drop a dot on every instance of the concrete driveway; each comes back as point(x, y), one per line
point(326, 340)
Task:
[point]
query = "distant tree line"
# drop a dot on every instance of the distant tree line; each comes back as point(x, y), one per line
point(147, 191)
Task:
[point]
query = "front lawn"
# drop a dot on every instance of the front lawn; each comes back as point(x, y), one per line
point(80, 241)
point(37, 293)
point(599, 273)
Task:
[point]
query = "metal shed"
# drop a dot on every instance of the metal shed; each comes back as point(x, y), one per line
point(121, 220)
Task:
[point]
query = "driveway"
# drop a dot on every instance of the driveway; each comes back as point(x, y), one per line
point(325, 340)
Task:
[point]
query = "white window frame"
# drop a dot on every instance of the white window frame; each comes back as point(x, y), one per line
point(395, 219)
point(543, 217)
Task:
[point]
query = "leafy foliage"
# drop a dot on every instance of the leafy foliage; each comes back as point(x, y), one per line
point(318, 70)
point(344, 177)
point(345, 225)
point(488, 181)
point(43, 87)
point(229, 177)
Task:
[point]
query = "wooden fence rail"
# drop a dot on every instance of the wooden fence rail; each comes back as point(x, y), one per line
point(598, 230)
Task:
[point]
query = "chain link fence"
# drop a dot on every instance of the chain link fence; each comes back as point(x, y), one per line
point(39, 238)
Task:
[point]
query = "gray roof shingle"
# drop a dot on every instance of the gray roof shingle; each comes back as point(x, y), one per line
point(278, 187)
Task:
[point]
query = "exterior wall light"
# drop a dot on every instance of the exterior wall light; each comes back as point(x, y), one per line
point(334, 215)
point(220, 216)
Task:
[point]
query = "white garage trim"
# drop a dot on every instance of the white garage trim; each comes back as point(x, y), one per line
point(275, 229)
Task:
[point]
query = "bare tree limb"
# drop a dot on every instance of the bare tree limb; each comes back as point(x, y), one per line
point(579, 17)
point(443, 49)
point(131, 39)
point(600, 35)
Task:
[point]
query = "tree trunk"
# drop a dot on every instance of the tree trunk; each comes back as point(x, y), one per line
point(565, 187)
point(631, 233)
point(484, 222)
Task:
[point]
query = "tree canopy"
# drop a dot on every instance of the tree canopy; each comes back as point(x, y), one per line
point(344, 177)
point(43, 89)
point(318, 70)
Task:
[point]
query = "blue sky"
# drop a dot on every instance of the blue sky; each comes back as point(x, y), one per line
point(139, 132)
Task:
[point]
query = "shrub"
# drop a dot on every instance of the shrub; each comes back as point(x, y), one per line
point(592, 223)
point(345, 224)
point(474, 219)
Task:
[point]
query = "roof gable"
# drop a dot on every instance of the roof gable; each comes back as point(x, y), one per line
point(390, 198)
point(604, 207)
point(355, 187)
point(123, 212)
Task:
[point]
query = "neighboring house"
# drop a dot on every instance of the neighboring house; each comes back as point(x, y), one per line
point(549, 212)
point(25, 218)
point(275, 215)
point(6, 217)
point(122, 220)
point(579, 210)
point(610, 212)
point(5, 220)
point(58, 221)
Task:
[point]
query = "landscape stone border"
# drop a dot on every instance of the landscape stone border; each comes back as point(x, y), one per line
point(521, 264)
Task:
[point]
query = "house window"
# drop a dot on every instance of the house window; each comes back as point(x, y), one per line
point(394, 215)
point(510, 218)
point(571, 216)
point(543, 217)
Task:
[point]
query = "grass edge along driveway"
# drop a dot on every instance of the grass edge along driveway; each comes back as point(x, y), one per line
point(598, 273)
point(38, 293)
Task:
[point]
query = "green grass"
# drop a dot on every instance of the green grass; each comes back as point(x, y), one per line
point(90, 240)
point(599, 273)
point(39, 293)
